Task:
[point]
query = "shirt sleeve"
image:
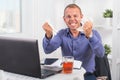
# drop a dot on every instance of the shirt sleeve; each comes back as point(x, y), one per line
point(50, 45)
point(96, 44)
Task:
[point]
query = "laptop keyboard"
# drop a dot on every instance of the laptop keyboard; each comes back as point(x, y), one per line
point(46, 72)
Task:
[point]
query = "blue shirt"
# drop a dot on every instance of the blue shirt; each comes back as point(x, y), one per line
point(81, 48)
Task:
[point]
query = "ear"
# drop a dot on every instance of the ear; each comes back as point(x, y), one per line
point(64, 18)
point(81, 15)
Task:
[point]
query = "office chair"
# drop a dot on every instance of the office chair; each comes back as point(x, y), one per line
point(102, 67)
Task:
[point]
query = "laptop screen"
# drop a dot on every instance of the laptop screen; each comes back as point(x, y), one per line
point(20, 56)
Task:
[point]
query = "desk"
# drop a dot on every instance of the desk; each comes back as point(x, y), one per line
point(76, 75)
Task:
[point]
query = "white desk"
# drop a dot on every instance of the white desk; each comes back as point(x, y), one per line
point(76, 75)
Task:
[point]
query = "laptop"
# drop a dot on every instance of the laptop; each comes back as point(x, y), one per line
point(21, 56)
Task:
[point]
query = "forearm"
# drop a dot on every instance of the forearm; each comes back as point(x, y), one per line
point(46, 47)
point(49, 45)
point(97, 46)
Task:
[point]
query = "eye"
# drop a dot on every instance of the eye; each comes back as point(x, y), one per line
point(68, 16)
point(75, 16)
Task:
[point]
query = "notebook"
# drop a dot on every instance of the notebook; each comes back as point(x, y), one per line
point(21, 56)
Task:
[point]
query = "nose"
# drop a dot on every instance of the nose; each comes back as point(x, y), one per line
point(72, 18)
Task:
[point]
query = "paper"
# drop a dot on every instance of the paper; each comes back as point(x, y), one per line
point(77, 64)
point(80, 29)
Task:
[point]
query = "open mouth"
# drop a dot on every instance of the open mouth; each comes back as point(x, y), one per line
point(72, 24)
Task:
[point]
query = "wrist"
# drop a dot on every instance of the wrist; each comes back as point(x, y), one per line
point(48, 36)
point(91, 34)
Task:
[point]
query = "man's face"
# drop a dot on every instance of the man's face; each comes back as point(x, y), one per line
point(72, 18)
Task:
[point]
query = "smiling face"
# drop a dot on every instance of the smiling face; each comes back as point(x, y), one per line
point(72, 17)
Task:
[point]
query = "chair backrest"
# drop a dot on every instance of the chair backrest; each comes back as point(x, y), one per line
point(102, 67)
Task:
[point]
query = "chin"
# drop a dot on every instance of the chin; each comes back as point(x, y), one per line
point(74, 29)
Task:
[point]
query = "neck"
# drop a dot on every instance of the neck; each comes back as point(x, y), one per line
point(74, 33)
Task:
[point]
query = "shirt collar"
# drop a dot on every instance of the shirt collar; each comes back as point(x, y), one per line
point(68, 32)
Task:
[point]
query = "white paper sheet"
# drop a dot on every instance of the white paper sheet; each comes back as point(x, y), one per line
point(77, 64)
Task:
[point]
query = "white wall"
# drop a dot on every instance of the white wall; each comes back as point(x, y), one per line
point(116, 42)
point(36, 12)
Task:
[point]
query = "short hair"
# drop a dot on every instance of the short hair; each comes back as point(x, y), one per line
point(72, 6)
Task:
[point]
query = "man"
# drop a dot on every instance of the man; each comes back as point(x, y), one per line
point(83, 45)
